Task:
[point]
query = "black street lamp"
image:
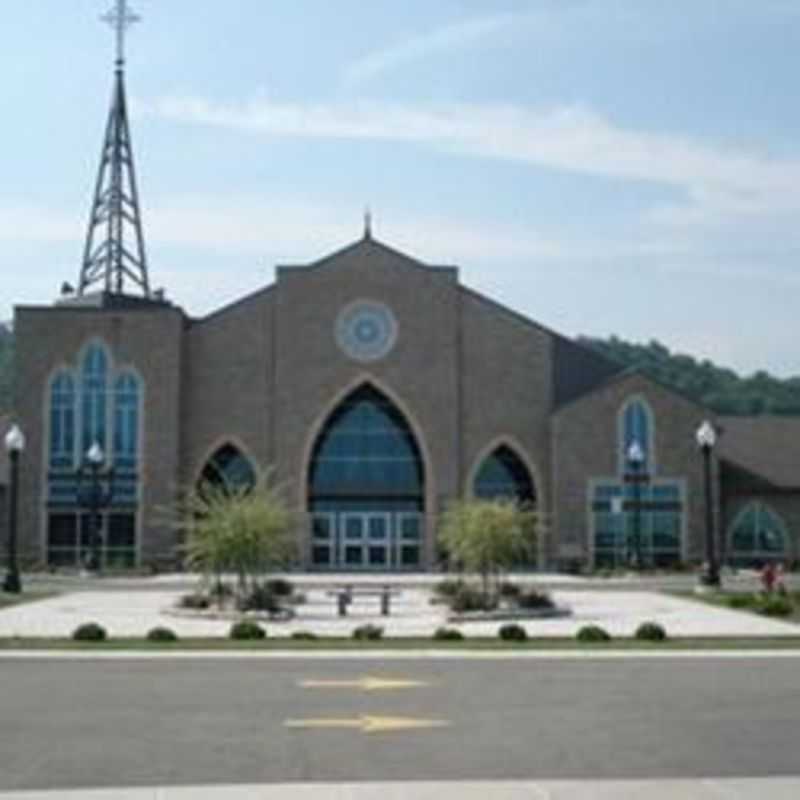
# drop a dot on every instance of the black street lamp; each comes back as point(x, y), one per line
point(15, 444)
point(706, 437)
point(636, 475)
point(95, 498)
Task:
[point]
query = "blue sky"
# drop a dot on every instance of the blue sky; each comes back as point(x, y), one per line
point(602, 166)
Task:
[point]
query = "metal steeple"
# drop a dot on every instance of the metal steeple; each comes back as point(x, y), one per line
point(114, 254)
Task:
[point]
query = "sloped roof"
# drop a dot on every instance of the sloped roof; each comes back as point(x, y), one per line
point(766, 446)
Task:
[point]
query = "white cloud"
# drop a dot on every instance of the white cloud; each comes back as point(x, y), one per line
point(442, 40)
point(718, 181)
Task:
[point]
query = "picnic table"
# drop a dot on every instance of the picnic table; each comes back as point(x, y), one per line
point(346, 594)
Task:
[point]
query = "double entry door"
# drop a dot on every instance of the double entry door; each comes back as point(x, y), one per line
point(372, 540)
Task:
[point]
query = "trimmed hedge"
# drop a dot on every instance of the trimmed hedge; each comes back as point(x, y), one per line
point(512, 633)
point(593, 633)
point(89, 632)
point(368, 633)
point(650, 632)
point(305, 636)
point(246, 629)
point(448, 635)
point(161, 635)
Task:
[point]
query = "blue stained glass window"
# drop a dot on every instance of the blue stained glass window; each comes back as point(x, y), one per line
point(503, 475)
point(126, 421)
point(62, 421)
point(636, 428)
point(229, 469)
point(366, 450)
point(757, 535)
point(94, 389)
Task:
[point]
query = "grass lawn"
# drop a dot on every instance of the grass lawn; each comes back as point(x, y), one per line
point(749, 602)
point(410, 643)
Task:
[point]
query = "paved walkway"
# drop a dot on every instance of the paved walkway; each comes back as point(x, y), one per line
point(619, 612)
point(705, 789)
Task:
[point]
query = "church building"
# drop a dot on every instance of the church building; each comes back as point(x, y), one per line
point(379, 389)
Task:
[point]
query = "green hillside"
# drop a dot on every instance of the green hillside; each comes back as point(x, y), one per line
point(722, 390)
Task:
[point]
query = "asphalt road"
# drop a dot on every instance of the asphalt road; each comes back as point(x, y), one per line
point(83, 723)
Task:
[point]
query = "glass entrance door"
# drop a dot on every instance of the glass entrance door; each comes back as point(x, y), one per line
point(365, 540)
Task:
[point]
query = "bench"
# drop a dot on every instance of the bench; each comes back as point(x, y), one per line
point(346, 594)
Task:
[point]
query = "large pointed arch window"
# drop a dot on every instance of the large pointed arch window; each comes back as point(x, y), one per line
point(126, 420)
point(229, 469)
point(757, 536)
point(637, 429)
point(366, 487)
point(503, 475)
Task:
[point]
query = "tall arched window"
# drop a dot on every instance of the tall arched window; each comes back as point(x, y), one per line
point(62, 421)
point(757, 535)
point(503, 475)
point(366, 487)
point(229, 469)
point(94, 390)
point(636, 423)
point(126, 420)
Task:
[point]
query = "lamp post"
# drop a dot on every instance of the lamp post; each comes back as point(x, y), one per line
point(15, 444)
point(706, 438)
point(636, 476)
point(95, 498)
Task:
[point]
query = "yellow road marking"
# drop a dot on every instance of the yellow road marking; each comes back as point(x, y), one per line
point(368, 724)
point(365, 684)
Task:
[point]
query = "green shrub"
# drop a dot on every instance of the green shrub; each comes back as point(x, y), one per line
point(776, 607)
point(220, 591)
point(89, 632)
point(280, 587)
point(246, 629)
point(512, 633)
point(260, 598)
point(741, 601)
point(650, 632)
point(448, 588)
point(371, 633)
point(593, 633)
point(448, 635)
point(305, 636)
point(161, 635)
point(194, 600)
point(533, 599)
point(468, 598)
point(509, 590)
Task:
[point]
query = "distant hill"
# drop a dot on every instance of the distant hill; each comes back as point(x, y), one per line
point(722, 390)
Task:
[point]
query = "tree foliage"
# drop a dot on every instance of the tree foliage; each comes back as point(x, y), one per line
point(487, 536)
point(722, 390)
point(245, 531)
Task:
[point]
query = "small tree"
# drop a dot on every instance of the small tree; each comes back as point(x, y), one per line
point(244, 530)
point(486, 536)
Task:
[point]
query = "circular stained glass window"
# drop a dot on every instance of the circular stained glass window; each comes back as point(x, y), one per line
point(366, 330)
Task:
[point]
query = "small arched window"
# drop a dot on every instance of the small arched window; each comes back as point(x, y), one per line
point(62, 421)
point(228, 469)
point(757, 535)
point(94, 390)
point(637, 427)
point(503, 475)
point(126, 420)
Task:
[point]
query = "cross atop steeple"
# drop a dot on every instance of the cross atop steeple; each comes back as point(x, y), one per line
point(120, 18)
point(114, 253)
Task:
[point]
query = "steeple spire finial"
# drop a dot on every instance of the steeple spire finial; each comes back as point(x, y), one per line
point(114, 253)
point(367, 223)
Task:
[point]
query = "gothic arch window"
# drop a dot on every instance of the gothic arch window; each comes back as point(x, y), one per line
point(366, 487)
point(636, 425)
point(94, 390)
point(757, 535)
point(503, 475)
point(62, 421)
point(229, 469)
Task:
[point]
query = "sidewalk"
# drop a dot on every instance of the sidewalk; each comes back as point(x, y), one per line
point(702, 789)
